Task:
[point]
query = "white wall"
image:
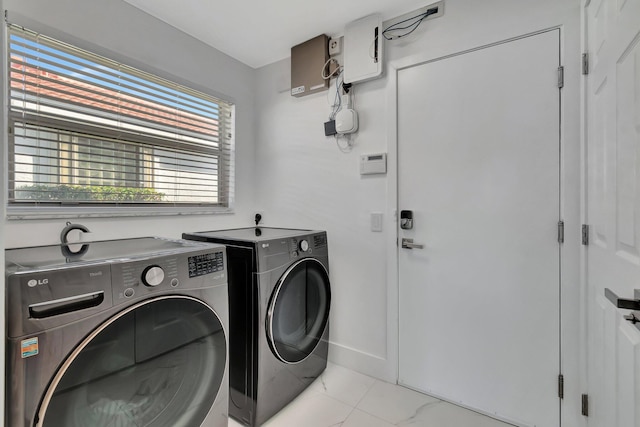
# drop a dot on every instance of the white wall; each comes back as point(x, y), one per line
point(123, 32)
point(306, 181)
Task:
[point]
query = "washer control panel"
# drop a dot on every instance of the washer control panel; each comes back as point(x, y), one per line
point(138, 279)
point(205, 264)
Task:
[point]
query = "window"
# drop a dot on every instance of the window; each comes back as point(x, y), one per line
point(85, 130)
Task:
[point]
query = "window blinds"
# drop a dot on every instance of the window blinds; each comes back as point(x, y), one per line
point(88, 130)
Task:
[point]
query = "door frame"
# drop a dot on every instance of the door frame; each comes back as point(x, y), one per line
point(571, 161)
point(583, 331)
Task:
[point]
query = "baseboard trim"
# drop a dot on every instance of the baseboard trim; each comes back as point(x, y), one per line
point(362, 362)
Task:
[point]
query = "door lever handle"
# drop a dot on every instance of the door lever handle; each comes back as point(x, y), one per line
point(408, 244)
point(629, 304)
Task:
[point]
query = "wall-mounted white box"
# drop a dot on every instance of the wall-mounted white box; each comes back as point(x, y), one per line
point(373, 164)
point(363, 44)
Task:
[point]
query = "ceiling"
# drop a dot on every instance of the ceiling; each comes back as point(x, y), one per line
point(260, 32)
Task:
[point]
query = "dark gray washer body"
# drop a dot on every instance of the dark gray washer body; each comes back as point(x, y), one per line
point(62, 301)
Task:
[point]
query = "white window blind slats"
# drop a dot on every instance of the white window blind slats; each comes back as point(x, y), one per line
point(60, 98)
point(88, 130)
point(46, 158)
point(110, 76)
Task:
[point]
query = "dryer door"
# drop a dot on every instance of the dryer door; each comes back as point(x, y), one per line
point(299, 310)
point(159, 363)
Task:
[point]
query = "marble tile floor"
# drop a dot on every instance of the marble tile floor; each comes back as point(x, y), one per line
point(344, 398)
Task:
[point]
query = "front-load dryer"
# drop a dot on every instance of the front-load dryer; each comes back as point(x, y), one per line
point(279, 300)
point(117, 333)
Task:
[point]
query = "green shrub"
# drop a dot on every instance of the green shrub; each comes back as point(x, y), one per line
point(89, 193)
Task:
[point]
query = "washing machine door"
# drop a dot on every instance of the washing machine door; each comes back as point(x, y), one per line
point(159, 363)
point(298, 310)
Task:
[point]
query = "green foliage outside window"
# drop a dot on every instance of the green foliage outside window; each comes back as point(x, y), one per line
point(62, 193)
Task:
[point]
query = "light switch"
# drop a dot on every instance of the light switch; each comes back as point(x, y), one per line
point(376, 221)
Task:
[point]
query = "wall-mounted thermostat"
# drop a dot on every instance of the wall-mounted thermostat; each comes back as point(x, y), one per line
point(373, 164)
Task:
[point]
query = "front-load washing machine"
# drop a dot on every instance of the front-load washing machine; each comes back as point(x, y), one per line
point(279, 300)
point(117, 333)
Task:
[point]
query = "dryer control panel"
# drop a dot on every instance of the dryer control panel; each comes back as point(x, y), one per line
point(306, 245)
point(299, 246)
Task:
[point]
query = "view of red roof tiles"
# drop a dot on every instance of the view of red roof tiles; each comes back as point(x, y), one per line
point(46, 84)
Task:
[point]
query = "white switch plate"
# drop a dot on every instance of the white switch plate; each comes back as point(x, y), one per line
point(376, 221)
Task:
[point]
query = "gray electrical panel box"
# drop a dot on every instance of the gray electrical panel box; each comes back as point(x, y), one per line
point(307, 61)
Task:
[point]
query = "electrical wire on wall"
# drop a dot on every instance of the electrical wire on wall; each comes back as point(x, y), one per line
point(336, 104)
point(342, 91)
point(338, 69)
point(341, 97)
point(408, 25)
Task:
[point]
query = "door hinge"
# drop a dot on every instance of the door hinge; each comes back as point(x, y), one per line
point(585, 405)
point(560, 77)
point(561, 386)
point(560, 231)
point(585, 64)
point(585, 234)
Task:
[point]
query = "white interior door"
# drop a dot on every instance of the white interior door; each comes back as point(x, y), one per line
point(613, 211)
point(478, 153)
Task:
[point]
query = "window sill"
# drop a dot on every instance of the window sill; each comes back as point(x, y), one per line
point(23, 213)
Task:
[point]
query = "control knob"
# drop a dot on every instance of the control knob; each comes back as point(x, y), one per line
point(304, 245)
point(153, 275)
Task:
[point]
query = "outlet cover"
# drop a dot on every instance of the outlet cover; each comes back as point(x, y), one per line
point(335, 46)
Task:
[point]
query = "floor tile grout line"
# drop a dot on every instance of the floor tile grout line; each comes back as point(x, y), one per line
point(366, 392)
point(355, 407)
point(436, 401)
point(348, 415)
point(326, 391)
point(376, 417)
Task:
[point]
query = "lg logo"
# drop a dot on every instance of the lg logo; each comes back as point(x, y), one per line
point(33, 282)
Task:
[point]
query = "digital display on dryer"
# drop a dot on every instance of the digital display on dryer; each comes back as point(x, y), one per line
point(200, 265)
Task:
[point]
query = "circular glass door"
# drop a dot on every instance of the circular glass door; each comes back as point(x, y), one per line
point(299, 310)
point(159, 363)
